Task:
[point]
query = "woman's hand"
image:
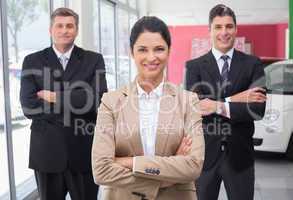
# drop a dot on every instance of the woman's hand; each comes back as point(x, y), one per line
point(185, 146)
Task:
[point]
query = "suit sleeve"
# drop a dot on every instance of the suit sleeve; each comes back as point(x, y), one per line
point(250, 111)
point(32, 106)
point(85, 96)
point(178, 169)
point(105, 170)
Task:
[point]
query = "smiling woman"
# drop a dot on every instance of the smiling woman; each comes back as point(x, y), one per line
point(151, 54)
point(150, 46)
point(148, 141)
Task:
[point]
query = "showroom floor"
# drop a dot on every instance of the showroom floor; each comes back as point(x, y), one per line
point(274, 178)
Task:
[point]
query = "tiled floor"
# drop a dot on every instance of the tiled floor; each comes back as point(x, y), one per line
point(274, 178)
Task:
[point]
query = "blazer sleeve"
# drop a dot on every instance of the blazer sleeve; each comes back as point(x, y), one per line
point(32, 106)
point(250, 111)
point(105, 170)
point(79, 96)
point(178, 169)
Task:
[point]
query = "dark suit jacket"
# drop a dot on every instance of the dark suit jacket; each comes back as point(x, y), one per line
point(62, 133)
point(203, 77)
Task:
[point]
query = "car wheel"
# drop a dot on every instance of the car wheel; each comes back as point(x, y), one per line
point(289, 152)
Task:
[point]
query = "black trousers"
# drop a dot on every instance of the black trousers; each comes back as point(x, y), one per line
point(238, 185)
point(55, 186)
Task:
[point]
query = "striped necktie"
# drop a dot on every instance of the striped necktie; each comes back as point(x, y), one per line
point(225, 71)
point(63, 60)
point(225, 68)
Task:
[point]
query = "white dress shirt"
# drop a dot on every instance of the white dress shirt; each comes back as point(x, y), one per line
point(217, 54)
point(149, 107)
point(65, 55)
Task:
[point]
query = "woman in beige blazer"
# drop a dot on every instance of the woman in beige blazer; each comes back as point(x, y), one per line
point(148, 142)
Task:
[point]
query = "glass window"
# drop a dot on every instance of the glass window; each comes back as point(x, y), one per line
point(123, 1)
point(108, 42)
point(4, 181)
point(58, 3)
point(123, 48)
point(132, 3)
point(96, 23)
point(26, 19)
point(279, 78)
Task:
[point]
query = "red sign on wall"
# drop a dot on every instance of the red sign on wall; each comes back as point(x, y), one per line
point(201, 46)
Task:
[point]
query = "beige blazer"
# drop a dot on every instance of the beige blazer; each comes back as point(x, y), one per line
point(117, 134)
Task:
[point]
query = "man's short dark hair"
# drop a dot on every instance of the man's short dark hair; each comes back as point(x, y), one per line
point(64, 12)
point(221, 10)
point(151, 24)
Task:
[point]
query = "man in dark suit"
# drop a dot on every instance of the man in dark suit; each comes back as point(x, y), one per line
point(61, 88)
point(228, 83)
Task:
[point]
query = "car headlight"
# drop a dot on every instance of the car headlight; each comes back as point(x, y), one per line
point(271, 116)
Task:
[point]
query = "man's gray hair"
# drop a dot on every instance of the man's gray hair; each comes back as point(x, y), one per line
point(64, 12)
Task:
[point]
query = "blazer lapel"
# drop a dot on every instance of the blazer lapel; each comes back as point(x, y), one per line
point(52, 60)
point(211, 66)
point(166, 116)
point(130, 114)
point(235, 70)
point(74, 63)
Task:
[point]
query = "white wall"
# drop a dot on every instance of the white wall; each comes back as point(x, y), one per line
point(195, 12)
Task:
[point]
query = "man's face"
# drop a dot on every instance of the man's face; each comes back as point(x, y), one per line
point(223, 32)
point(63, 31)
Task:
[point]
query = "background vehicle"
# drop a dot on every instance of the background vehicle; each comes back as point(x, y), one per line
point(276, 128)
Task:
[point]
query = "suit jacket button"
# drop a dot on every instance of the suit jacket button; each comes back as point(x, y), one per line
point(151, 171)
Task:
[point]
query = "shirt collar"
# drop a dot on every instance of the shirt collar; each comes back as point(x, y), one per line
point(217, 54)
point(67, 54)
point(157, 92)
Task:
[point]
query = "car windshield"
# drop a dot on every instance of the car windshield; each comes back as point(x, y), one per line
point(279, 78)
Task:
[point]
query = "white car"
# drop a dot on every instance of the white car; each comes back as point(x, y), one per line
point(276, 128)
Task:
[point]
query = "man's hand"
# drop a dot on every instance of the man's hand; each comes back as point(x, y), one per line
point(125, 161)
point(185, 146)
point(207, 106)
point(251, 95)
point(47, 95)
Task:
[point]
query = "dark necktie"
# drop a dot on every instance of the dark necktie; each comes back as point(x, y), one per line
point(224, 75)
point(225, 71)
point(225, 68)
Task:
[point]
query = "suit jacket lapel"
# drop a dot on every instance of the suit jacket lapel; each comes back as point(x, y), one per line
point(166, 116)
point(235, 70)
point(211, 66)
point(130, 114)
point(52, 60)
point(74, 63)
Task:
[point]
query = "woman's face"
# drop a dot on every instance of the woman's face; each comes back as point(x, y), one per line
point(150, 53)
